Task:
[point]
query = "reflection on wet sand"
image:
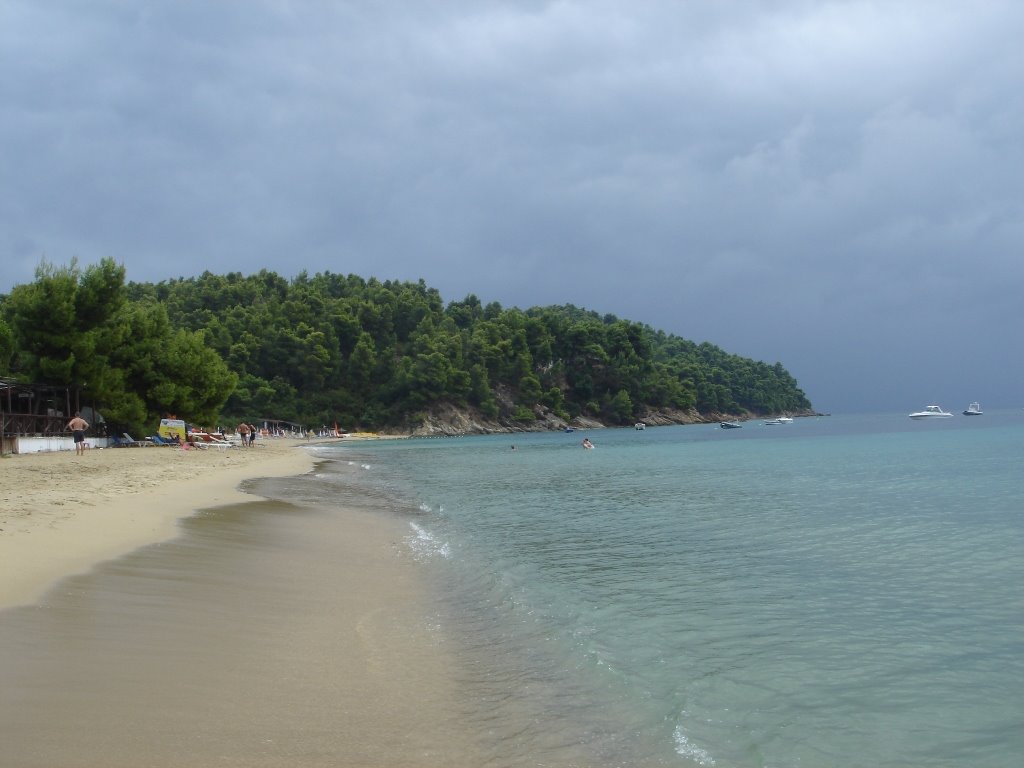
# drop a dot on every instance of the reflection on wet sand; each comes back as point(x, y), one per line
point(268, 634)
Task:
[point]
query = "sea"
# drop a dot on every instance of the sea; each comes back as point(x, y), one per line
point(841, 591)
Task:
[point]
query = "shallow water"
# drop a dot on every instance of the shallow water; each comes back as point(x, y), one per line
point(835, 592)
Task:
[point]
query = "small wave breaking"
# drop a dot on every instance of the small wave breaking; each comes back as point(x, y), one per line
point(689, 750)
point(425, 545)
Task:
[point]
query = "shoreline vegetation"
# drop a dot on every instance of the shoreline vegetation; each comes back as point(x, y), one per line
point(383, 356)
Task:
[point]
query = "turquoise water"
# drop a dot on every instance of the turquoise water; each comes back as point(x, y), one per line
point(840, 591)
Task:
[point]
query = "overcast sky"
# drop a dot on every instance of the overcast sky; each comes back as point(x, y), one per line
point(836, 186)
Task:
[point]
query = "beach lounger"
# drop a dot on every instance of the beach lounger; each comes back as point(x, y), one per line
point(206, 440)
point(131, 442)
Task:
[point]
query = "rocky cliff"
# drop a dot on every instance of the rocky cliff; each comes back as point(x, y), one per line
point(447, 420)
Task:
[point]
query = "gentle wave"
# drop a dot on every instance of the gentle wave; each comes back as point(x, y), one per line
point(424, 544)
point(690, 751)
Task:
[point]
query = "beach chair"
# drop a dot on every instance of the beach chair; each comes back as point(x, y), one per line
point(157, 440)
point(204, 440)
point(131, 442)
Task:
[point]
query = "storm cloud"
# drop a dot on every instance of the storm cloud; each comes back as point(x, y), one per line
point(832, 185)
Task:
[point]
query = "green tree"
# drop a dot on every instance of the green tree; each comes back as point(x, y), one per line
point(66, 326)
point(77, 327)
point(361, 364)
point(384, 352)
point(6, 347)
point(620, 407)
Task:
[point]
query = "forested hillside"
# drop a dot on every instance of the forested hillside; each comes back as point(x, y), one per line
point(362, 353)
point(372, 354)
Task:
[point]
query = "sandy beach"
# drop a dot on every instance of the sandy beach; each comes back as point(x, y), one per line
point(60, 513)
point(154, 614)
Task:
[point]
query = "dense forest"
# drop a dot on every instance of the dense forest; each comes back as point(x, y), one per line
point(362, 353)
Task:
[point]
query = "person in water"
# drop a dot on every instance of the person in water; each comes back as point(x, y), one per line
point(586, 443)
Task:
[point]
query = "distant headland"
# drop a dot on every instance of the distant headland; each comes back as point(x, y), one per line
point(362, 354)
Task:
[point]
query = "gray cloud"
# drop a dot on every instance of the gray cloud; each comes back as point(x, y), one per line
point(832, 185)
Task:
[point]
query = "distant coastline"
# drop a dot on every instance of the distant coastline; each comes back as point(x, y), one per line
point(452, 421)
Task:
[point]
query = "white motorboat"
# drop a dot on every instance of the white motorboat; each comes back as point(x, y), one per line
point(640, 426)
point(931, 412)
point(730, 425)
point(974, 409)
point(780, 420)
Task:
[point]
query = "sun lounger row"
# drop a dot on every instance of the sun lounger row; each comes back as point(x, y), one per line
point(207, 441)
point(203, 441)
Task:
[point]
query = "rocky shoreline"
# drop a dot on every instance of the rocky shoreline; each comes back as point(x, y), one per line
point(453, 421)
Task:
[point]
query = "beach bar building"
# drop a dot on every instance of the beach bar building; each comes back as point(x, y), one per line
point(33, 416)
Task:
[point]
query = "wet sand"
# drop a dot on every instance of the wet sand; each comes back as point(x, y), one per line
point(253, 633)
point(60, 513)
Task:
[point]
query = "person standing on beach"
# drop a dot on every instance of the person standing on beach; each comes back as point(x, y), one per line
point(78, 425)
point(243, 431)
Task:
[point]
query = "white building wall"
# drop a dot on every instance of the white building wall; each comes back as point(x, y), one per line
point(24, 444)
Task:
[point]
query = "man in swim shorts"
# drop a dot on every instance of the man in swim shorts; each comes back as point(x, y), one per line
point(78, 425)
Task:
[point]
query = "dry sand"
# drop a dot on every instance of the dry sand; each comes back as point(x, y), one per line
point(60, 513)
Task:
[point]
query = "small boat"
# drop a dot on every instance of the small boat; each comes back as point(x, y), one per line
point(639, 426)
point(974, 409)
point(729, 425)
point(931, 412)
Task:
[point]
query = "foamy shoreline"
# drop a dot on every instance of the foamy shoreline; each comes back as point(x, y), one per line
point(61, 514)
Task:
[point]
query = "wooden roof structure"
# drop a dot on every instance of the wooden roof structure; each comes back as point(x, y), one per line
point(35, 409)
